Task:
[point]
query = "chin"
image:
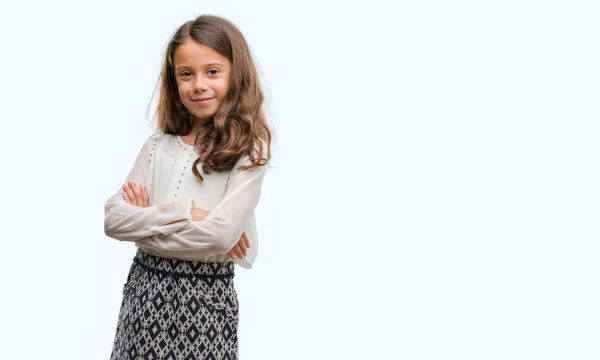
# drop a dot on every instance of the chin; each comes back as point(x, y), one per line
point(205, 115)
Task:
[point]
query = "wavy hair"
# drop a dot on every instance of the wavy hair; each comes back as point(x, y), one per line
point(239, 124)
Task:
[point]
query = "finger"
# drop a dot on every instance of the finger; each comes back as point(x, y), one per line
point(242, 245)
point(232, 253)
point(241, 249)
point(137, 192)
point(130, 194)
point(145, 196)
point(126, 198)
point(247, 242)
point(238, 251)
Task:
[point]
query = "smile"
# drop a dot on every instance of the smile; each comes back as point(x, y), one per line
point(203, 100)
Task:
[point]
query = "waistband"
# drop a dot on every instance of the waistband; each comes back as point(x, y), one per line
point(184, 268)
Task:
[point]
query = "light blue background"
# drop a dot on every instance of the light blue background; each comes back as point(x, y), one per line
point(434, 190)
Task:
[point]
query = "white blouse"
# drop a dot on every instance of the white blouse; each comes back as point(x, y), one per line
point(164, 166)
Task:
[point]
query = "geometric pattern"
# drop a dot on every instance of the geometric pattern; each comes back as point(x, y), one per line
point(177, 309)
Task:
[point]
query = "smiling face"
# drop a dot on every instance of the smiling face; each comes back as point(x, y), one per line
point(202, 77)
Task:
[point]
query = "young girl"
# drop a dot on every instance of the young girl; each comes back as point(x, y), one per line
point(188, 203)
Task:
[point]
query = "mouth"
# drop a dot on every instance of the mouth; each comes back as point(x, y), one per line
point(203, 100)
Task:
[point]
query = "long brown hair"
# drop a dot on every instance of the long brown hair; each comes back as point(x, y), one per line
point(239, 124)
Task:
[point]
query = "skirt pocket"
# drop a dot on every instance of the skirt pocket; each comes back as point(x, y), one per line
point(130, 284)
point(216, 304)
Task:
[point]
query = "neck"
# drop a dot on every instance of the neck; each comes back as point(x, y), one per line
point(198, 125)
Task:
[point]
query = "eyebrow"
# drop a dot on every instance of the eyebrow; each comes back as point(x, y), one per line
point(207, 65)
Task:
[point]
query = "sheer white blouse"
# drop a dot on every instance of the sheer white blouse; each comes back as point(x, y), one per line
point(164, 166)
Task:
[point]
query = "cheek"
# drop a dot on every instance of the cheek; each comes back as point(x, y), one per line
point(182, 91)
point(183, 87)
point(223, 87)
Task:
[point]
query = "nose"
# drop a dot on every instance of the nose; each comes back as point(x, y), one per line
point(199, 85)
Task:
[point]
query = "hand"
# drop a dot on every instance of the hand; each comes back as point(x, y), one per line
point(239, 249)
point(199, 214)
point(136, 196)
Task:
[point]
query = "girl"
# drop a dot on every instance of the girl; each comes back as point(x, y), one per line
point(189, 201)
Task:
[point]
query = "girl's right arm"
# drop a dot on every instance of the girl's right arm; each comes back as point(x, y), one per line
point(126, 222)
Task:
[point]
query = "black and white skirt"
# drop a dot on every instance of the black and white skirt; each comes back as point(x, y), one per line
point(176, 309)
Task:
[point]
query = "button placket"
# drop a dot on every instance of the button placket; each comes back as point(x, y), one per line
point(152, 152)
point(185, 148)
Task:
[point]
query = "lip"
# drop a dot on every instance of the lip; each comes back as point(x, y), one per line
point(202, 100)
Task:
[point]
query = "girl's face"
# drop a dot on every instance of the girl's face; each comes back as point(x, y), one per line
point(202, 76)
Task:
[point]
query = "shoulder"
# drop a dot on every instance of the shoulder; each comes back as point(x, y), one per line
point(262, 143)
point(158, 138)
point(152, 143)
point(261, 157)
point(262, 149)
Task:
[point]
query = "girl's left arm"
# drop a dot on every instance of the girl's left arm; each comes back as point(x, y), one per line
point(221, 230)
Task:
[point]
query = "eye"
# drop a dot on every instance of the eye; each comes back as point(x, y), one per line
point(186, 74)
point(213, 71)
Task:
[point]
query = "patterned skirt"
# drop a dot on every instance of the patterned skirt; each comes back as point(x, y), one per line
point(176, 309)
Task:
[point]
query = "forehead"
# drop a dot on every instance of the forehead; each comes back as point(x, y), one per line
point(192, 53)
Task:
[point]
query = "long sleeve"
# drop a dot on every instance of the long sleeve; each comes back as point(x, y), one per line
point(126, 222)
point(223, 227)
